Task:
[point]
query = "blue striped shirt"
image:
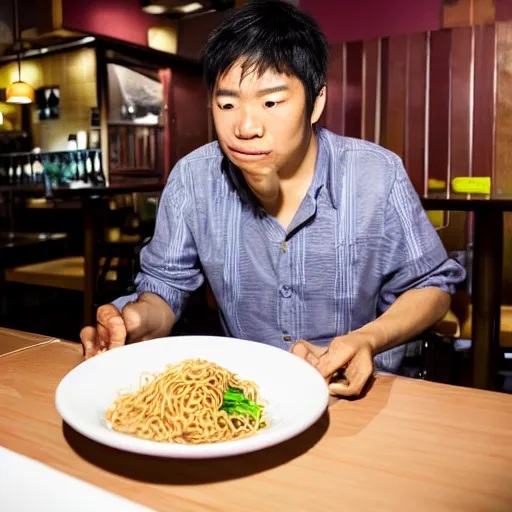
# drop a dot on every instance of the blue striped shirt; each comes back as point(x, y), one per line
point(359, 239)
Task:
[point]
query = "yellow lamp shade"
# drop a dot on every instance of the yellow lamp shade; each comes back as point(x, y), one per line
point(19, 92)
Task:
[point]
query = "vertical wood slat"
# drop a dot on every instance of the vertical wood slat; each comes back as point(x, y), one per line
point(415, 110)
point(335, 105)
point(457, 13)
point(394, 136)
point(439, 105)
point(484, 101)
point(461, 104)
point(371, 93)
point(354, 89)
point(384, 87)
point(503, 141)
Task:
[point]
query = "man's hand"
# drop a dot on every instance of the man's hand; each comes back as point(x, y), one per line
point(352, 354)
point(149, 317)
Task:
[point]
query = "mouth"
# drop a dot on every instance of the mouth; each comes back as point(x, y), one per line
point(248, 154)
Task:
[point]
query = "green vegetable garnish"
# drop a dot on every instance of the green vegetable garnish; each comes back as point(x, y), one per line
point(236, 403)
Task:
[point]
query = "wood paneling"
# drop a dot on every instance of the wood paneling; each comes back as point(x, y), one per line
point(354, 89)
point(394, 136)
point(464, 13)
point(371, 84)
point(461, 101)
point(457, 13)
point(384, 87)
point(484, 11)
point(484, 101)
point(503, 143)
point(334, 116)
point(444, 99)
point(415, 110)
point(439, 104)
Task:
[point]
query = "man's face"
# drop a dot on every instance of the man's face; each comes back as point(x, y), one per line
point(262, 125)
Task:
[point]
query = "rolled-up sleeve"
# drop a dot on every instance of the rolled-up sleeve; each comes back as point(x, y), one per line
point(414, 256)
point(169, 263)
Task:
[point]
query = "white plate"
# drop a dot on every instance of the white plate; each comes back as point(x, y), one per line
point(296, 393)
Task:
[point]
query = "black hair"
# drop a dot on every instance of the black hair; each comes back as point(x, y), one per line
point(269, 34)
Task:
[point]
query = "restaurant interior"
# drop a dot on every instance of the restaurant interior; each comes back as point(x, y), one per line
point(98, 101)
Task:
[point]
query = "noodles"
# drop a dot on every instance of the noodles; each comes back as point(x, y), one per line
point(192, 402)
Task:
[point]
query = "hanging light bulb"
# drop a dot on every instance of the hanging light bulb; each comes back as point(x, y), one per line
point(19, 92)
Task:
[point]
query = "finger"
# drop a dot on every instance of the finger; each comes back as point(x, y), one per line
point(303, 350)
point(132, 316)
point(112, 330)
point(335, 358)
point(89, 339)
point(103, 336)
point(353, 387)
point(357, 373)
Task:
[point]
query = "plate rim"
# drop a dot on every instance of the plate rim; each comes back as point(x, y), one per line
point(132, 444)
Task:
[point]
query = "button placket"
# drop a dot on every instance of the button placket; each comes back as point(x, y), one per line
point(285, 292)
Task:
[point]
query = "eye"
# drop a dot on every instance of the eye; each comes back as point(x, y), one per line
point(226, 106)
point(271, 104)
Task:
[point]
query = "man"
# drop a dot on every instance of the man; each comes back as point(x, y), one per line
point(311, 242)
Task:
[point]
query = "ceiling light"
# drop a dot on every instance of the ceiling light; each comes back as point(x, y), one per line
point(189, 8)
point(19, 92)
point(154, 9)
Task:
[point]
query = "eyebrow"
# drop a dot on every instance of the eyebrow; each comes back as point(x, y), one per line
point(263, 92)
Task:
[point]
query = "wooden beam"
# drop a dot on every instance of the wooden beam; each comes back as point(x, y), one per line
point(49, 15)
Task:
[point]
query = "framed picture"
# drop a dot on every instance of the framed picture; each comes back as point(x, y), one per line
point(48, 102)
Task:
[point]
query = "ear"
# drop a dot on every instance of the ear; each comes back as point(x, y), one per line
point(319, 105)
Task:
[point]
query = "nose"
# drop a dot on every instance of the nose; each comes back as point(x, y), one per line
point(248, 126)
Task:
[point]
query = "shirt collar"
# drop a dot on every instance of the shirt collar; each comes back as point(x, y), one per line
point(325, 168)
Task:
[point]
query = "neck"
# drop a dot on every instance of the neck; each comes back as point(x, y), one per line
point(294, 180)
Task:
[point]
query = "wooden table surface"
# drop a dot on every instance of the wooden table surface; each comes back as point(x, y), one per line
point(407, 445)
point(13, 341)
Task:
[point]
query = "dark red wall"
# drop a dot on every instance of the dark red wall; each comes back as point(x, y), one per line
point(357, 20)
point(503, 10)
point(119, 19)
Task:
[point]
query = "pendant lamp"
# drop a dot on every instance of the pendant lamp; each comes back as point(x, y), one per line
point(19, 92)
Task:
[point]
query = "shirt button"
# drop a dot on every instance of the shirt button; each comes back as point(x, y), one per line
point(286, 291)
point(287, 338)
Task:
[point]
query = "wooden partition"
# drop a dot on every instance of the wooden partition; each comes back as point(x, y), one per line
point(442, 100)
point(429, 97)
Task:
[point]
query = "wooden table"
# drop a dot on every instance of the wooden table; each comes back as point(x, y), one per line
point(407, 445)
point(13, 341)
point(487, 271)
point(91, 204)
